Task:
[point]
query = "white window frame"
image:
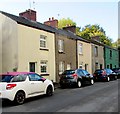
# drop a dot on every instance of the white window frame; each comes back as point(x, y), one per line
point(61, 67)
point(60, 45)
point(43, 41)
point(80, 48)
point(44, 63)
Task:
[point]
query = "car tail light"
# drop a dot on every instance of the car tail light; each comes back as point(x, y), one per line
point(10, 86)
point(74, 75)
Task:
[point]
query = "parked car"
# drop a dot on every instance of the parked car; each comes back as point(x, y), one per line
point(76, 77)
point(17, 86)
point(101, 75)
point(117, 71)
point(111, 74)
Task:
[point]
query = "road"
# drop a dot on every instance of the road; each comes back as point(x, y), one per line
point(100, 97)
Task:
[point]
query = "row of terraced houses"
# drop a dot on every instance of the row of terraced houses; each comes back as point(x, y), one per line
point(27, 45)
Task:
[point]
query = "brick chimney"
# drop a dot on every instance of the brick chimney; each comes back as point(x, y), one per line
point(71, 28)
point(52, 22)
point(29, 14)
point(96, 38)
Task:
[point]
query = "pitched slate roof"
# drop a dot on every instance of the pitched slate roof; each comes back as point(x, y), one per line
point(27, 22)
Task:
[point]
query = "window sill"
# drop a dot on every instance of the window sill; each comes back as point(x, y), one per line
point(45, 74)
point(61, 52)
point(45, 49)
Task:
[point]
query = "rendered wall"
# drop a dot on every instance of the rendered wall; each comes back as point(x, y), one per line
point(9, 47)
point(29, 50)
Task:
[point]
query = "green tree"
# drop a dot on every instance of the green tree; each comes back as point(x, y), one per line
point(90, 31)
point(64, 22)
point(116, 44)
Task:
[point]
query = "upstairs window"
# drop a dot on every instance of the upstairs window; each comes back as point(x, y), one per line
point(43, 43)
point(110, 53)
point(96, 51)
point(80, 48)
point(61, 45)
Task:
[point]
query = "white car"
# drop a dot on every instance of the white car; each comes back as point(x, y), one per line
point(17, 86)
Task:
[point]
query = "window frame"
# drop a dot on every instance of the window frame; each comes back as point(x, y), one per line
point(44, 63)
point(43, 39)
point(60, 46)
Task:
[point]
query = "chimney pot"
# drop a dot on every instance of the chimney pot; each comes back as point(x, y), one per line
point(52, 18)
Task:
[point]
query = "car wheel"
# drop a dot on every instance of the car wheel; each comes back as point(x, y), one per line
point(91, 81)
point(19, 98)
point(115, 77)
point(108, 79)
point(49, 91)
point(79, 84)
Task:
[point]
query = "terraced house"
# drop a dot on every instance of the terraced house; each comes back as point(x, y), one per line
point(65, 47)
point(111, 57)
point(27, 45)
point(97, 55)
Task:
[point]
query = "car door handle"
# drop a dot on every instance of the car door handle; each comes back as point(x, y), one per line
point(32, 83)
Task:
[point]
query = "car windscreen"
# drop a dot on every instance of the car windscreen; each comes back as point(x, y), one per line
point(68, 72)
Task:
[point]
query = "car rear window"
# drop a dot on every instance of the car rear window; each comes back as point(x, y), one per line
point(10, 78)
point(67, 72)
point(98, 71)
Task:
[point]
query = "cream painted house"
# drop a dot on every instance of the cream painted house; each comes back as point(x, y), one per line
point(84, 55)
point(26, 46)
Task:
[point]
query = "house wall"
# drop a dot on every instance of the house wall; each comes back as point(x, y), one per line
point(69, 54)
point(85, 57)
point(97, 59)
point(9, 46)
point(29, 50)
point(112, 61)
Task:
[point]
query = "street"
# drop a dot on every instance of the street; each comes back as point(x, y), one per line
point(100, 97)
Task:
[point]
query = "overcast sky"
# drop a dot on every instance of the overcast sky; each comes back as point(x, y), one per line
point(82, 12)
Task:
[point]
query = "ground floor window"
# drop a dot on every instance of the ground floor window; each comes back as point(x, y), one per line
point(61, 67)
point(68, 66)
point(32, 66)
point(43, 66)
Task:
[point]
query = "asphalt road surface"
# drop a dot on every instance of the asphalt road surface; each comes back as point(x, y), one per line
point(100, 97)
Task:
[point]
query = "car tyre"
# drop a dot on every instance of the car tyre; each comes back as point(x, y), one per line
point(79, 84)
point(19, 98)
point(91, 81)
point(115, 77)
point(49, 91)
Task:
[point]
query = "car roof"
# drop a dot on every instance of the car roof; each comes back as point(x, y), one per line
point(16, 73)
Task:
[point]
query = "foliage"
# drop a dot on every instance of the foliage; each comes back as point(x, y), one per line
point(64, 22)
point(90, 31)
point(116, 44)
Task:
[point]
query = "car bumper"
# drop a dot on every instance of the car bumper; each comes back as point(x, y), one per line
point(7, 95)
point(68, 82)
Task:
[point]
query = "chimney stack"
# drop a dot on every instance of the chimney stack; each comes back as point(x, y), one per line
point(70, 27)
point(52, 22)
point(29, 14)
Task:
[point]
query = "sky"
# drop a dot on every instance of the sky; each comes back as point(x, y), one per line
point(83, 12)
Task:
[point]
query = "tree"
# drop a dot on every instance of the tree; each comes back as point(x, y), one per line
point(117, 44)
point(64, 22)
point(90, 31)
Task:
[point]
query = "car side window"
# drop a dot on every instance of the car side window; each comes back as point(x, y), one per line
point(19, 78)
point(34, 77)
point(81, 73)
